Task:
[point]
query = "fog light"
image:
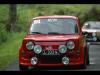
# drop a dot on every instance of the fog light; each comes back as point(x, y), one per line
point(65, 60)
point(33, 60)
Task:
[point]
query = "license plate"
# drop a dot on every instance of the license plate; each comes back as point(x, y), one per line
point(50, 52)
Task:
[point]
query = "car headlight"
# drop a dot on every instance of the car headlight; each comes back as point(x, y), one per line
point(94, 34)
point(37, 49)
point(62, 49)
point(70, 45)
point(30, 45)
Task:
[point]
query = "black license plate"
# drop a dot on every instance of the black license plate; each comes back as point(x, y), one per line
point(50, 52)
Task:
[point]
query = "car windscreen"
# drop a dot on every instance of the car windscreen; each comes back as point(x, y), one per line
point(54, 25)
point(92, 25)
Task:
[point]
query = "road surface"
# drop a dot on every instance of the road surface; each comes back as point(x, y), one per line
point(94, 52)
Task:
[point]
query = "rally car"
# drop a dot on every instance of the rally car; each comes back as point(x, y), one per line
point(91, 30)
point(53, 41)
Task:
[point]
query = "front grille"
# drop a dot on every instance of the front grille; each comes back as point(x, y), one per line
point(89, 34)
point(50, 59)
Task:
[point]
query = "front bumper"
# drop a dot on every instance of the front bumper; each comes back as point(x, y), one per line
point(72, 62)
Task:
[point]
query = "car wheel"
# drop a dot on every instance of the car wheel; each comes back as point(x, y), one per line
point(84, 66)
point(26, 68)
point(87, 54)
point(23, 68)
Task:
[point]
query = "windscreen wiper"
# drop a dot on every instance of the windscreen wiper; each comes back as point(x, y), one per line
point(36, 33)
point(53, 33)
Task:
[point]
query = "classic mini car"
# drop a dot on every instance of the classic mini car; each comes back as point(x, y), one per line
point(91, 30)
point(53, 41)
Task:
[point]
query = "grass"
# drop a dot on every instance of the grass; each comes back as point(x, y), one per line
point(9, 50)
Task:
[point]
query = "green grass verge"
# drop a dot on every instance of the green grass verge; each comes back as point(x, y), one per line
point(9, 50)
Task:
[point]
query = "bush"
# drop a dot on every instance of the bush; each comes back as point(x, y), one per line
point(91, 15)
point(3, 34)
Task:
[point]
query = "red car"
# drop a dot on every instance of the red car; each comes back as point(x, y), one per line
point(53, 41)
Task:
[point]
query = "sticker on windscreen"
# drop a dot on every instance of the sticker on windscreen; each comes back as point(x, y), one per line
point(36, 21)
point(52, 20)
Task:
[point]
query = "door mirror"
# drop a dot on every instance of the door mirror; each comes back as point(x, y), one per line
point(85, 33)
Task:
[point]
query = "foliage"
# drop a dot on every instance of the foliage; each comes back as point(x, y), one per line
point(26, 12)
point(9, 49)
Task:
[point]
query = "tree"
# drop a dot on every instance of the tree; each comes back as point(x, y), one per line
point(12, 17)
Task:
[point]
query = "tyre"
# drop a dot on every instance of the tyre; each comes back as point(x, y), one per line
point(26, 68)
point(87, 54)
point(23, 68)
point(84, 66)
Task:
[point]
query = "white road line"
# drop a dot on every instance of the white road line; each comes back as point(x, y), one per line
point(92, 63)
point(94, 60)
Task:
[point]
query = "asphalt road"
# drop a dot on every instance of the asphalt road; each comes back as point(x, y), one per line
point(94, 52)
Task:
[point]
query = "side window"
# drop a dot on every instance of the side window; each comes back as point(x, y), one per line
point(87, 26)
point(76, 29)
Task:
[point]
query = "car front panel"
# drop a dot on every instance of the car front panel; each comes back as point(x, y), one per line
point(50, 56)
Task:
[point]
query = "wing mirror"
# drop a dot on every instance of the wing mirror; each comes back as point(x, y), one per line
point(85, 33)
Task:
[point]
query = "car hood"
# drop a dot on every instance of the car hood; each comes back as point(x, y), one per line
point(90, 30)
point(51, 37)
